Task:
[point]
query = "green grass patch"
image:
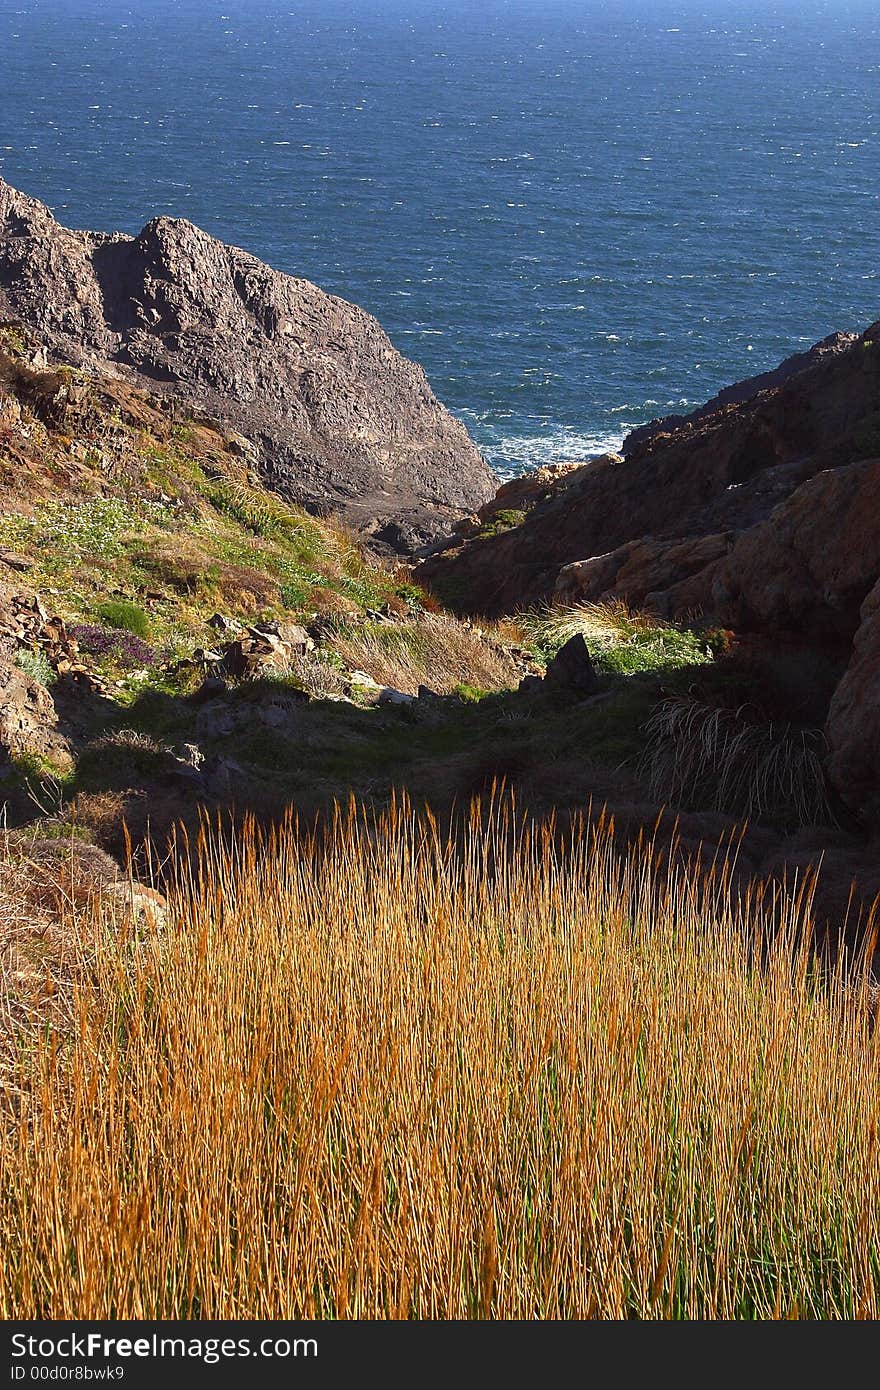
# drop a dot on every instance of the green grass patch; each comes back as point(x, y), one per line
point(506, 520)
point(470, 694)
point(61, 532)
point(665, 649)
point(621, 641)
point(127, 617)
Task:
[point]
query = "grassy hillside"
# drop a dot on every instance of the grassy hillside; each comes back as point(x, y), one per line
point(133, 515)
point(136, 524)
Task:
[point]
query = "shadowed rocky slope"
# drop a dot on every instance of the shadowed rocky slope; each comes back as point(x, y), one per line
point(760, 513)
point(340, 421)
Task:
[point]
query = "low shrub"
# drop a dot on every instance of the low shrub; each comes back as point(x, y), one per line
point(319, 674)
point(128, 617)
point(110, 762)
point(37, 666)
point(470, 694)
point(178, 561)
point(506, 520)
point(119, 645)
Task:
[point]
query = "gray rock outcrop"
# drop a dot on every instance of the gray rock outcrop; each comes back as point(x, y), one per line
point(341, 421)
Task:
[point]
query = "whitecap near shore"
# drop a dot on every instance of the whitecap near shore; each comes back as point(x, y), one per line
point(511, 452)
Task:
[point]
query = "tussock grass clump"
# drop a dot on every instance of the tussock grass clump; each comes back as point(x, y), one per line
point(316, 674)
point(732, 760)
point(432, 649)
point(621, 640)
point(385, 1073)
point(127, 617)
point(48, 882)
point(612, 621)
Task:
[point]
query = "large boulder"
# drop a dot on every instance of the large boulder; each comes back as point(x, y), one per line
point(28, 719)
point(640, 570)
point(340, 420)
point(809, 566)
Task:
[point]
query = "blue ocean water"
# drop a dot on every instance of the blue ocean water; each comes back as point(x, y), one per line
point(576, 214)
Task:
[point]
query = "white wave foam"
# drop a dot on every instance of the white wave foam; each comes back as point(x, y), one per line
point(510, 454)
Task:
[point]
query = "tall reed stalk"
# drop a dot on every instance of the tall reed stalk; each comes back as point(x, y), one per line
point(392, 1073)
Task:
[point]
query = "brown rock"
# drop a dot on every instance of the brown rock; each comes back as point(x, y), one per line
point(138, 902)
point(808, 567)
point(13, 561)
point(719, 474)
point(743, 391)
point(853, 726)
point(525, 491)
point(292, 636)
point(28, 719)
point(639, 569)
point(572, 667)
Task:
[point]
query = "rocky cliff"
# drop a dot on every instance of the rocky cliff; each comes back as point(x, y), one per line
point(744, 390)
point(340, 421)
point(760, 513)
point(714, 475)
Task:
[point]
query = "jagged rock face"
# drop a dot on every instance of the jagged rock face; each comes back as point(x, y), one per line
point(342, 421)
point(744, 390)
point(714, 475)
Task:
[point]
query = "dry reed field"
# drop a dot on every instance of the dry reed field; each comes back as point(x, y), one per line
point(389, 1073)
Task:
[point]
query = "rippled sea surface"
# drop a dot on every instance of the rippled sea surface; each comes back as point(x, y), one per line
point(576, 215)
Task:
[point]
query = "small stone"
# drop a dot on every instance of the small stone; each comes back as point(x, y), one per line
point(362, 679)
point(389, 696)
point(228, 627)
point(146, 906)
point(14, 561)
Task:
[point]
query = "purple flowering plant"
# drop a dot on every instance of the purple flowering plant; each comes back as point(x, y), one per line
point(114, 643)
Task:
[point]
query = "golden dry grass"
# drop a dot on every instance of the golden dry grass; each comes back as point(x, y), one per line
point(391, 1074)
point(434, 650)
point(605, 623)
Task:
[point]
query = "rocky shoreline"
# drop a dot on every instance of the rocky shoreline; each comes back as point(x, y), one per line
point(758, 514)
